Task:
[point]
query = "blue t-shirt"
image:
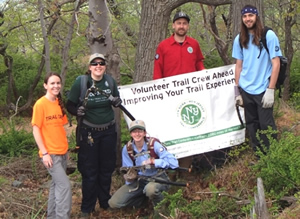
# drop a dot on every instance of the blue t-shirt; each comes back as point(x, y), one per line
point(255, 74)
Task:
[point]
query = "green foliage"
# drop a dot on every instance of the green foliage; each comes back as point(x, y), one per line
point(295, 74)
point(14, 142)
point(213, 60)
point(279, 168)
point(217, 206)
point(239, 150)
point(295, 101)
point(297, 196)
point(173, 201)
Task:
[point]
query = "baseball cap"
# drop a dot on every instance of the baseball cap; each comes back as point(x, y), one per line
point(137, 124)
point(181, 14)
point(96, 55)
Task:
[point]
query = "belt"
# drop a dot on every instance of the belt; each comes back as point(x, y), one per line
point(96, 127)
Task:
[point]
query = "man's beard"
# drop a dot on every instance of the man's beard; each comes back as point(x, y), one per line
point(180, 33)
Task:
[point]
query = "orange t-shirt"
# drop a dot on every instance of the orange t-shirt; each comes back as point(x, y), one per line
point(48, 117)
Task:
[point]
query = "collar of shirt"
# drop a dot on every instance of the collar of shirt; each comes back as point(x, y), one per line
point(144, 148)
point(172, 40)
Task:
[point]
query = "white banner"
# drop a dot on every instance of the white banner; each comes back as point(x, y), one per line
point(190, 113)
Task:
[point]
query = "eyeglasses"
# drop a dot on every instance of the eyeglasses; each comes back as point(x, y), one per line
point(137, 131)
point(97, 63)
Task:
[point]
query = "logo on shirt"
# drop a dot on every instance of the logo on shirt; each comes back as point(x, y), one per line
point(190, 49)
point(161, 149)
point(276, 48)
point(191, 114)
point(157, 56)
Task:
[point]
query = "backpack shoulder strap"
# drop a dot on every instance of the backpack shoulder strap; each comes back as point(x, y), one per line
point(130, 151)
point(83, 87)
point(263, 38)
point(150, 145)
point(110, 82)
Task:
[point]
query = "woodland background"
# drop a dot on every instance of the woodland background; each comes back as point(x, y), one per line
point(38, 36)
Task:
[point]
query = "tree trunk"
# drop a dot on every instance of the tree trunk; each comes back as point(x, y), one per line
point(100, 40)
point(99, 35)
point(289, 21)
point(45, 37)
point(260, 209)
point(221, 45)
point(114, 69)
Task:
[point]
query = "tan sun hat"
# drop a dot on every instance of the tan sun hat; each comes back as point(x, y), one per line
point(137, 124)
point(96, 55)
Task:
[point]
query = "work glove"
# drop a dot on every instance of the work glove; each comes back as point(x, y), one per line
point(148, 161)
point(115, 101)
point(131, 175)
point(81, 111)
point(268, 98)
point(238, 97)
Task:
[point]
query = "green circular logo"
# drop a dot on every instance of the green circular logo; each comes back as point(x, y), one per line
point(191, 114)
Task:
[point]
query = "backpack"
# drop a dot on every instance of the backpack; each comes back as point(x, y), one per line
point(283, 60)
point(84, 85)
point(150, 145)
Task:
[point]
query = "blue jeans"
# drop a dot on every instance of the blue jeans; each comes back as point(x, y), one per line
point(96, 163)
point(134, 194)
point(60, 194)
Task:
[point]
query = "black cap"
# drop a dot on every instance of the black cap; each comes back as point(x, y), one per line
point(181, 15)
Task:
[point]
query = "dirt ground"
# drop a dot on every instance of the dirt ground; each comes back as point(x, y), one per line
point(24, 183)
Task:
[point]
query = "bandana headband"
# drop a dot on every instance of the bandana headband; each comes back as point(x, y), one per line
point(251, 10)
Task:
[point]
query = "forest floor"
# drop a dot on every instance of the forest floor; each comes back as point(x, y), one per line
point(24, 183)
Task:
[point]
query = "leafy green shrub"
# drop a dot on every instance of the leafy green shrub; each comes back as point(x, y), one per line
point(216, 206)
point(173, 201)
point(295, 101)
point(279, 167)
point(15, 142)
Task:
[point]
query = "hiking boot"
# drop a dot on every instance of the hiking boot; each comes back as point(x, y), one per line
point(84, 215)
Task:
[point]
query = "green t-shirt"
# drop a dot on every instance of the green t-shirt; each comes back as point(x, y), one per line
point(98, 107)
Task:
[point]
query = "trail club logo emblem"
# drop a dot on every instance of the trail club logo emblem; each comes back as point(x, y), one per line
point(191, 114)
point(190, 49)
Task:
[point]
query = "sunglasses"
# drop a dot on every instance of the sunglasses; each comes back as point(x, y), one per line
point(97, 63)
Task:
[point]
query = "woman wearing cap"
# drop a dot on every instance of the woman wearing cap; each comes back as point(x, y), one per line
point(97, 133)
point(134, 192)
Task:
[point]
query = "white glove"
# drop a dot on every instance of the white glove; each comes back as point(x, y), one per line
point(237, 96)
point(148, 161)
point(268, 98)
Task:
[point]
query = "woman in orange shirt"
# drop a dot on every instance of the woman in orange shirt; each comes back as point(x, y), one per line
point(48, 122)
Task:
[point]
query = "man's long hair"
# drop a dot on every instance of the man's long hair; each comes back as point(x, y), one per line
point(257, 31)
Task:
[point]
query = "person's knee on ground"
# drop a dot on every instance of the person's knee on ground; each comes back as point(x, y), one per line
point(153, 192)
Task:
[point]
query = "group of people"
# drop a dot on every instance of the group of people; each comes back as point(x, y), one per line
point(254, 90)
